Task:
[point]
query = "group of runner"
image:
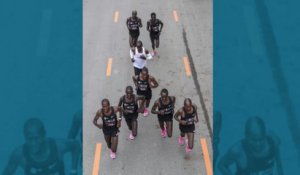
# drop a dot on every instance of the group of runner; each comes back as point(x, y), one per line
point(154, 27)
point(130, 104)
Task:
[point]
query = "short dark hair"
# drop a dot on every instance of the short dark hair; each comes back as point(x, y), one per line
point(145, 69)
point(105, 100)
point(164, 90)
point(187, 100)
point(129, 88)
point(153, 14)
point(139, 42)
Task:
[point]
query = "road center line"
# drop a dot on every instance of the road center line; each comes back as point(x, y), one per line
point(108, 67)
point(206, 156)
point(175, 15)
point(187, 66)
point(97, 159)
point(117, 14)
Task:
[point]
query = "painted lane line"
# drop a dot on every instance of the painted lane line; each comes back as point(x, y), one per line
point(187, 66)
point(109, 66)
point(175, 15)
point(206, 156)
point(97, 159)
point(116, 18)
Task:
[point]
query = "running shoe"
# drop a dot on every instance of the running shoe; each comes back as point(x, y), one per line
point(131, 137)
point(165, 132)
point(162, 133)
point(112, 155)
point(180, 140)
point(146, 112)
point(187, 149)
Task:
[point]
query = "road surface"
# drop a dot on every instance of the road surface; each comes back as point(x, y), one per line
point(187, 33)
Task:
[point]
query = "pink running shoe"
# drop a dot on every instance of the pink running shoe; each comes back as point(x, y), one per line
point(165, 132)
point(187, 149)
point(131, 137)
point(112, 155)
point(146, 112)
point(162, 133)
point(180, 140)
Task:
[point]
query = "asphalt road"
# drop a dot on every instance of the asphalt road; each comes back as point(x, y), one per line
point(106, 36)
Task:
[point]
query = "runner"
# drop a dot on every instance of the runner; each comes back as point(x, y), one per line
point(154, 26)
point(133, 24)
point(144, 83)
point(139, 56)
point(187, 117)
point(40, 155)
point(257, 153)
point(110, 125)
point(131, 107)
point(165, 105)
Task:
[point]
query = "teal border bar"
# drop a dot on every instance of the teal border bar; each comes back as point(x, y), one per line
point(40, 71)
point(256, 68)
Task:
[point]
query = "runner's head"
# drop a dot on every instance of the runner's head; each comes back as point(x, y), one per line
point(34, 133)
point(164, 94)
point(129, 91)
point(255, 133)
point(145, 73)
point(105, 104)
point(139, 44)
point(187, 104)
point(153, 16)
point(134, 13)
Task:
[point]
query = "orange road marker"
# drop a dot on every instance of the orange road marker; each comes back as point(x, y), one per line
point(108, 67)
point(206, 156)
point(97, 159)
point(116, 18)
point(175, 15)
point(187, 66)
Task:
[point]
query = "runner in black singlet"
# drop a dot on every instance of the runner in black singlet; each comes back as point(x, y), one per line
point(187, 117)
point(131, 106)
point(144, 83)
point(110, 125)
point(165, 105)
point(154, 26)
point(133, 24)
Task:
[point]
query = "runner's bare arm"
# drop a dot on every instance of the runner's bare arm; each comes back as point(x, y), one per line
point(196, 115)
point(148, 55)
point(148, 26)
point(120, 105)
point(118, 109)
point(173, 100)
point(153, 83)
point(127, 20)
point(134, 78)
point(161, 25)
point(140, 23)
point(141, 101)
point(154, 107)
point(177, 115)
point(95, 121)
